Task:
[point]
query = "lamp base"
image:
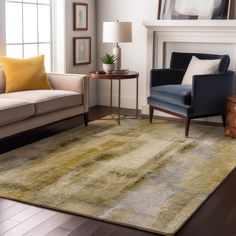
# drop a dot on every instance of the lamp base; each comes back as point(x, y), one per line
point(117, 53)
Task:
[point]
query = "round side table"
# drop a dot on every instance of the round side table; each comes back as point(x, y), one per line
point(230, 129)
point(130, 75)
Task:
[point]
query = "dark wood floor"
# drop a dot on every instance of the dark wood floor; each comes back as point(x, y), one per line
point(216, 217)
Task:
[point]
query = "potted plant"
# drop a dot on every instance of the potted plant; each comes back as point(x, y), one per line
point(108, 62)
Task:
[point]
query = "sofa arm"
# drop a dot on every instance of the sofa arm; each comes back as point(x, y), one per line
point(166, 76)
point(209, 92)
point(71, 82)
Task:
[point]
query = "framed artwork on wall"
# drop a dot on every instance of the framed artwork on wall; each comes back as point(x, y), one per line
point(82, 50)
point(80, 16)
point(192, 9)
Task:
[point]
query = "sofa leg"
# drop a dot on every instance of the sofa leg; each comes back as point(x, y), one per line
point(150, 114)
point(187, 126)
point(86, 118)
point(224, 119)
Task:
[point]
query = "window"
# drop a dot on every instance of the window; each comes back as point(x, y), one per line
point(28, 29)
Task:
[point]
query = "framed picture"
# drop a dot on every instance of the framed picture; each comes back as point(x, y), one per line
point(82, 50)
point(192, 9)
point(80, 16)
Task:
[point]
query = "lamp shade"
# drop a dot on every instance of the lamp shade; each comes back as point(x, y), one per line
point(115, 32)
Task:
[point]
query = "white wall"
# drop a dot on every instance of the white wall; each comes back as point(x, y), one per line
point(133, 54)
point(70, 33)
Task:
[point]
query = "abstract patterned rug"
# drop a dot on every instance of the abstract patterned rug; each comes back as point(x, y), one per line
point(146, 176)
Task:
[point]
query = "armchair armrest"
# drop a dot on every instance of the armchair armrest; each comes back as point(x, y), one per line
point(166, 76)
point(71, 82)
point(209, 92)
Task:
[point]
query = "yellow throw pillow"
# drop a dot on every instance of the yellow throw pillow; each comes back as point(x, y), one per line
point(24, 74)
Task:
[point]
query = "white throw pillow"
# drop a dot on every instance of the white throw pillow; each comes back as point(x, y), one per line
point(200, 67)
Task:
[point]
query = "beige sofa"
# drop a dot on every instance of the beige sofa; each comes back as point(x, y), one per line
point(26, 110)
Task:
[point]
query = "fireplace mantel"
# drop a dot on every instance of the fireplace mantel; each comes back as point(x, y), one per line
point(190, 25)
point(160, 32)
point(192, 31)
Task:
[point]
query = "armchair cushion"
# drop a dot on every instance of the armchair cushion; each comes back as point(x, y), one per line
point(200, 67)
point(174, 94)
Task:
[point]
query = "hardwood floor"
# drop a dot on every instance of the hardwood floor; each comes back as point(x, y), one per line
point(216, 217)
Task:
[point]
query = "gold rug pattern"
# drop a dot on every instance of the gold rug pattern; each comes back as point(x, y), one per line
point(147, 176)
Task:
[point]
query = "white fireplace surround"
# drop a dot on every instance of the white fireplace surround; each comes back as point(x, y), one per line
point(162, 32)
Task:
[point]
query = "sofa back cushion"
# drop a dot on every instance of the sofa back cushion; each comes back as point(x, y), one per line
point(2, 81)
point(181, 60)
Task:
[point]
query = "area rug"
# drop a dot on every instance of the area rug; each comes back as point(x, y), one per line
point(148, 176)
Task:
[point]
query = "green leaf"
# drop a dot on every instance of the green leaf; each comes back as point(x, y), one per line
point(108, 59)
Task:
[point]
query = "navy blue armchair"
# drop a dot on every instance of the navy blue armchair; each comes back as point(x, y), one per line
point(205, 97)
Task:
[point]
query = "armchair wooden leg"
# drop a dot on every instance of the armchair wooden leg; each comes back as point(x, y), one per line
point(187, 125)
point(86, 118)
point(224, 119)
point(150, 114)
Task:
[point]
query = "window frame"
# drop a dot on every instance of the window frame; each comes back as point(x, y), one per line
point(38, 43)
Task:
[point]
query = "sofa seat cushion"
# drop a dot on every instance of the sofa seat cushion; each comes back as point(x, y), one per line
point(13, 110)
point(46, 101)
point(173, 94)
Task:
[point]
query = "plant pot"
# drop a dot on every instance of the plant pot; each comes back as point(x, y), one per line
point(108, 68)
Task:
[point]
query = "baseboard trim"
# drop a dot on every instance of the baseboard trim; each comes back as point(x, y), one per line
point(132, 111)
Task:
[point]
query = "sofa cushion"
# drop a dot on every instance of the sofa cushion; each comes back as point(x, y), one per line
point(24, 74)
point(174, 94)
point(13, 110)
point(46, 101)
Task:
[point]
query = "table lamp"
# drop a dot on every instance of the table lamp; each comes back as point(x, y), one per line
point(117, 32)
